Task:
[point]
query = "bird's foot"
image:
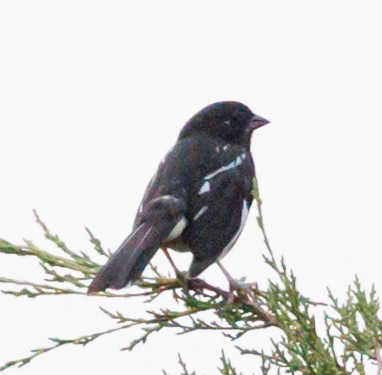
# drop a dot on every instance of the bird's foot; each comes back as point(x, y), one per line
point(243, 289)
point(195, 284)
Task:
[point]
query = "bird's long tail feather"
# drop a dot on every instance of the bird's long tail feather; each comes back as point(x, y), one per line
point(128, 262)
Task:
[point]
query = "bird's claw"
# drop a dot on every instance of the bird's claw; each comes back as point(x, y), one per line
point(242, 289)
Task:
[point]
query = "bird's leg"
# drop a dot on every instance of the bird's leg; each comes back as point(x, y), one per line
point(230, 279)
point(234, 284)
point(195, 284)
point(168, 256)
point(189, 284)
point(179, 275)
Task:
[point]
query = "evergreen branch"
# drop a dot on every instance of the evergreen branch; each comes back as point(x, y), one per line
point(183, 366)
point(97, 244)
point(353, 327)
point(82, 340)
point(227, 368)
point(88, 269)
point(242, 314)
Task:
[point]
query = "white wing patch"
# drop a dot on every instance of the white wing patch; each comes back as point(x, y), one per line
point(177, 230)
point(244, 215)
point(164, 198)
point(232, 165)
point(151, 183)
point(205, 188)
point(200, 213)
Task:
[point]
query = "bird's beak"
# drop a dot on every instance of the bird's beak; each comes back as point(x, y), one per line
point(257, 122)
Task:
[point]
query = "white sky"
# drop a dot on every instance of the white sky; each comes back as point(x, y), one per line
point(93, 93)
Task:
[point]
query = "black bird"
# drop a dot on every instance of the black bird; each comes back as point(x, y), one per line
point(197, 201)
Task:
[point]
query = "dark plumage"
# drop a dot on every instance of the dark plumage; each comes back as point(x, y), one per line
point(197, 201)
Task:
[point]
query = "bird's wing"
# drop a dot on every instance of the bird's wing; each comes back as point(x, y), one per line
point(162, 218)
point(219, 211)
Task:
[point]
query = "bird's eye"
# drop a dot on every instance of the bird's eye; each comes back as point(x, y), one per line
point(227, 122)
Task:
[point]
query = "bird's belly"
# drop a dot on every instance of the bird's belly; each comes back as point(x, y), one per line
point(179, 246)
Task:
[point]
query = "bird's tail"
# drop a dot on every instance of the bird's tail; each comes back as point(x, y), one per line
point(128, 262)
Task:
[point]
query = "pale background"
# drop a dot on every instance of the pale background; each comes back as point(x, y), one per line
point(93, 93)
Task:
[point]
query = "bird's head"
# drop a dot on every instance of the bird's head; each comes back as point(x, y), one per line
point(231, 121)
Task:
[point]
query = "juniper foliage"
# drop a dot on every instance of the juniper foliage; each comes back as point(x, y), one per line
point(345, 349)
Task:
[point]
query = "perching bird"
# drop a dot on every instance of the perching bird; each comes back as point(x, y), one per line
point(197, 201)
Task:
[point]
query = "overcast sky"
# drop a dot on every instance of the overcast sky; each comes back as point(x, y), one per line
point(92, 95)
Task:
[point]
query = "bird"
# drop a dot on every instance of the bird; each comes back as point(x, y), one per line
point(197, 201)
